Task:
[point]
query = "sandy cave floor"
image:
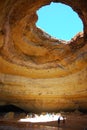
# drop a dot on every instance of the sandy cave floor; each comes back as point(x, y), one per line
point(74, 121)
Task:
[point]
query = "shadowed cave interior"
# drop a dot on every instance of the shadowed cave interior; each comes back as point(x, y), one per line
point(13, 108)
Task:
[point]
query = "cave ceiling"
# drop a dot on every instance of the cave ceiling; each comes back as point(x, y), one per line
point(37, 71)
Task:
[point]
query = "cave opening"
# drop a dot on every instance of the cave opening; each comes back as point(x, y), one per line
point(59, 21)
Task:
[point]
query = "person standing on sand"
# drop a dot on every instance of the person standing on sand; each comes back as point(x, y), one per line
point(59, 120)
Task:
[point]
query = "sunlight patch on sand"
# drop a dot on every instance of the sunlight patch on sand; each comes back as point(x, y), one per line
point(42, 118)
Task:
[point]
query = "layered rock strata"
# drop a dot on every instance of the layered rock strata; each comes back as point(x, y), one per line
point(38, 72)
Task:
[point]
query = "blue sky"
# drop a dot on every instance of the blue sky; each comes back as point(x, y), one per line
point(59, 20)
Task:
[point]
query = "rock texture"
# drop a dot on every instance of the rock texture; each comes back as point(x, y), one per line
point(38, 72)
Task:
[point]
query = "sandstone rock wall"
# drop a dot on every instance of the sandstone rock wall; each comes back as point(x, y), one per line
point(38, 72)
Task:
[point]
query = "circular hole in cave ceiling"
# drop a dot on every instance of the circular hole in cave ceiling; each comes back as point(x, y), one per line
point(59, 21)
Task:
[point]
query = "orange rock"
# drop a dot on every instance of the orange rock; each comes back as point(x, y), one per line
point(38, 72)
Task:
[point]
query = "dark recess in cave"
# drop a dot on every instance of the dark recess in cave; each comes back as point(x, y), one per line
point(10, 108)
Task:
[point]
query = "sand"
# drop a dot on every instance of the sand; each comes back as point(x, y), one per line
point(74, 121)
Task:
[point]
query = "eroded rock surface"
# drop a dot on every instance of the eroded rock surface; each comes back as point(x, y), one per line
point(38, 72)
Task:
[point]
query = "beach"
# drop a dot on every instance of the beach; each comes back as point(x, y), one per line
point(73, 121)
